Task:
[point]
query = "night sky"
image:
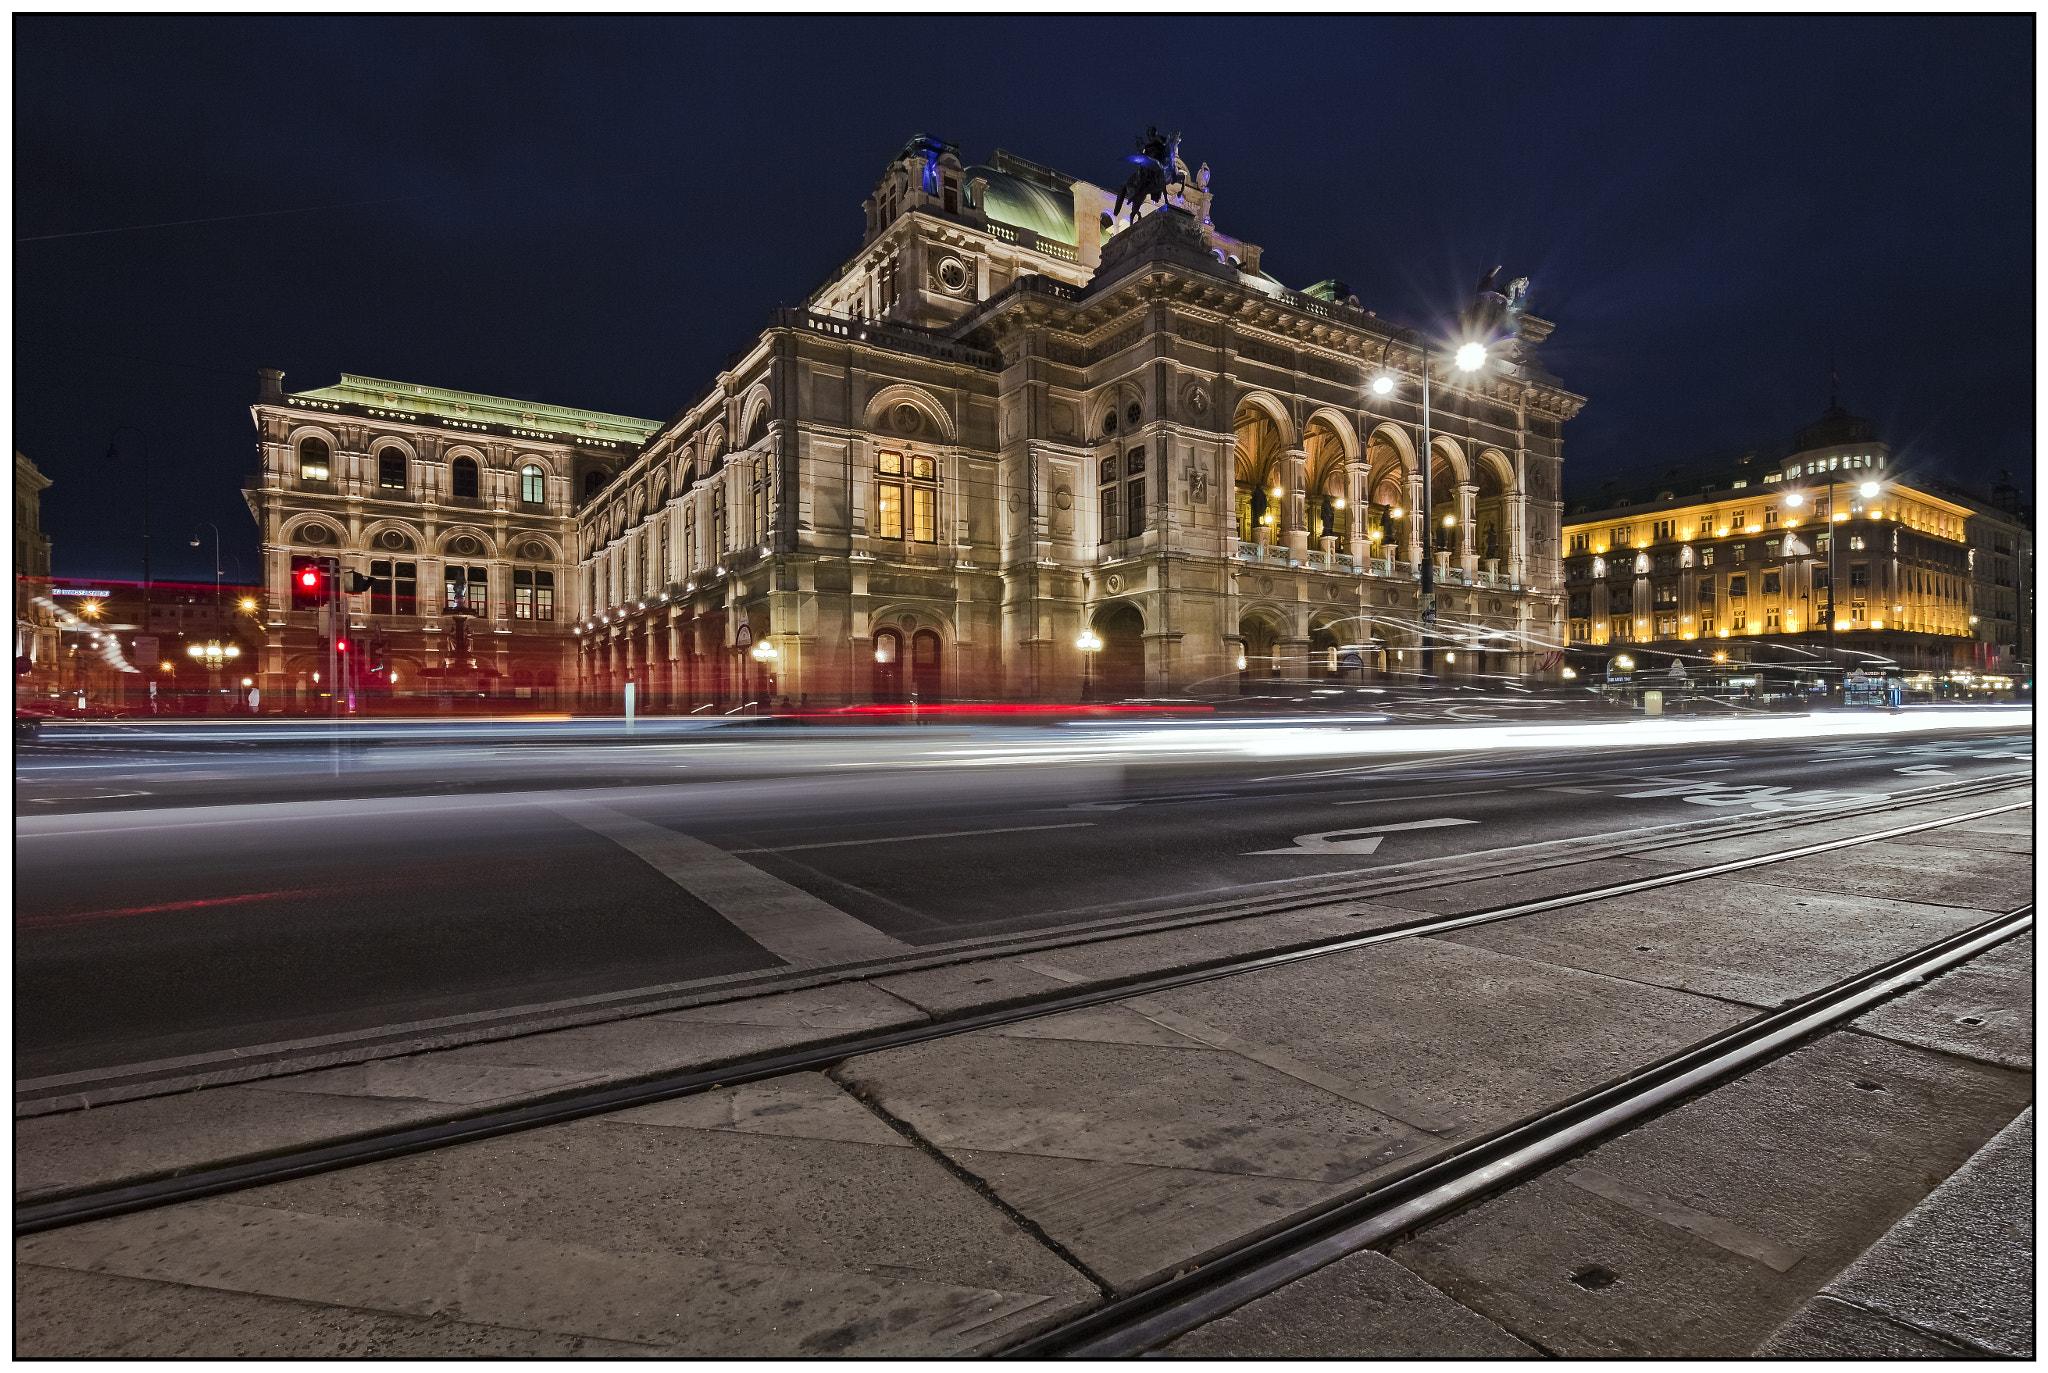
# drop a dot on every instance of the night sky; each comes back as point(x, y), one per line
point(597, 212)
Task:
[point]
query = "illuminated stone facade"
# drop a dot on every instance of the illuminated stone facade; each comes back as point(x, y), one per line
point(1004, 422)
point(1740, 565)
point(460, 507)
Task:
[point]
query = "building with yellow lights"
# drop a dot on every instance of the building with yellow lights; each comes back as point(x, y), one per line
point(1831, 558)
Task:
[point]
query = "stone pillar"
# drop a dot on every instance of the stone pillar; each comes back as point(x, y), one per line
point(1418, 520)
point(1293, 505)
point(1468, 502)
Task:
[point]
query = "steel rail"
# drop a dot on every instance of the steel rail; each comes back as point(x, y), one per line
point(1438, 1187)
point(86, 1204)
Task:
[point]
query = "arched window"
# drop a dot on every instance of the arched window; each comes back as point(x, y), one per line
point(391, 469)
point(593, 481)
point(313, 460)
point(533, 484)
point(758, 430)
point(888, 680)
point(465, 477)
point(924, 666)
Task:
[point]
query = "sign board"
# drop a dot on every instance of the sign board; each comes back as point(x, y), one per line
point(144, 649)
point(76, 591)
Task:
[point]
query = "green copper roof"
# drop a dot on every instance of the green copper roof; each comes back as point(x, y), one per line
point(1028, 205)
point(410, 398)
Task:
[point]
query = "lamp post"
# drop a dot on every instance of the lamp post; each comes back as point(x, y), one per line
point(208, 524)
point(1470, 357)
point(1090, 643)
point(213, 655)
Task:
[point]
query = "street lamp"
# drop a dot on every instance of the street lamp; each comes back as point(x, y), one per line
point(1470, 357)
point(1090, 643)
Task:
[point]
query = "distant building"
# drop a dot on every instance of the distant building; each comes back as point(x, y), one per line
point(1747, 561)
point(460, 509)
point(35, 633)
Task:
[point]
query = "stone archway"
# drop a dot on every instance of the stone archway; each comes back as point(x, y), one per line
point(1261, 637)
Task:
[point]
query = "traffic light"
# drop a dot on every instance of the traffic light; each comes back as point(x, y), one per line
point(309, 579)
point(341, 645)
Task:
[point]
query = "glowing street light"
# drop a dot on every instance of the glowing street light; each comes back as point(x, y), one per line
point(1471, 357)
point(1090, 644)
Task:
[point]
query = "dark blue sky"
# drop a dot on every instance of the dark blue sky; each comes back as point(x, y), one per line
point(595, 212)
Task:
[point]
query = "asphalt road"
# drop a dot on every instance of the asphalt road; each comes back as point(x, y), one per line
point(219, 889)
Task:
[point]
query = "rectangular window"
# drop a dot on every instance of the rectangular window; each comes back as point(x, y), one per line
point(1706, 593)
point(1739, 623)
point(522, 593)
point(1108, 471)
point(1667, 626)
point(1820, 579)
point(1738, 552)
point(1856, 542)
point(467, 590)
point(924, 469)
point(924, 516)
point(1771, 583)
point(391, 470)
point(1770, 550)
point(890, 464)
point(1706, 557)
point(1581, 631)
point(479, 591)
point(1662, 531)
point(1771, 621)
point(1579, 542)
point(1112, 504)
point(543, 595)
point(1859, 574)
point(1738, 585)
point(1621, 629)
point(380, 588)
point(1770, 514)
point(1134, 462)
point(889, 508)
point(1134, 506)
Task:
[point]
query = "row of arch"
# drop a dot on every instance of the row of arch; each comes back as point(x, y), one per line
point(1330, 446)
point(398, 538)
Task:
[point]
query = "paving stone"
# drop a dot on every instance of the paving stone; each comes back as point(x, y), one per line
point(158, 1135)
point(1813, 1155)
point(2012, 832)
point(801, 1105)
point(1822, 831)
point(1923, 867)
point(1166, 950)
point(1827, 1329)
point(1364, 1306)
point(429, 1077)
point(1983, 1009)
point(1960, 1266)
point(702, 1241)
point(1742, 940)
point(964, 987)
point(1139, 1156)
point(131, 1318)
point(1513, 888)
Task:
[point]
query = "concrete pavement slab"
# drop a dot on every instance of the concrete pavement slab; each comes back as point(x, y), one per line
point(1922, 867)
point(801, 1105)
point(1959, 1268)
point(2012, 832)
point(1364, 1306)
point(705, 1241)
point(1511, 889)
point(1816, 1153)
point(133, 1318)
point(1823, 831)
point(1139, 1157)
point(1745, 941)
point(157, 1135)
point(1983, 1009)
point(1828, 1329)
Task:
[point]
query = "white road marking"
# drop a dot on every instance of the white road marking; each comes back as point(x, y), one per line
point(1938, 769)
point(907, 838)
point(1341, 843)
point(787, 921)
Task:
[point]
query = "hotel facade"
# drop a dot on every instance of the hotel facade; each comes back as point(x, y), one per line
point(1759, 559)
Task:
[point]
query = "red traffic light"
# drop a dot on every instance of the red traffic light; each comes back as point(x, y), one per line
point(309, 578)
point(341, 645)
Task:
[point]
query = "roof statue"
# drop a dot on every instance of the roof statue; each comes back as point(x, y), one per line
point(1158, 159)
point(1202, 177)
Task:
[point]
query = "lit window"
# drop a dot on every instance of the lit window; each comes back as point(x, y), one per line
point(313, 460)
point(924, 521)
point(533, 594)
point(468, 590)
point(533, 485)
point(391, 469)
point(889, 509)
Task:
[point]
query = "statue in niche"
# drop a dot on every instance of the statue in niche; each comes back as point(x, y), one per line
point(1198, 486)
point(1492, 542)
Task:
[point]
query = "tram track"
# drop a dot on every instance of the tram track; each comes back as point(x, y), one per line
point(78, 1205)
point(72, 1090)
point(1436, 1188)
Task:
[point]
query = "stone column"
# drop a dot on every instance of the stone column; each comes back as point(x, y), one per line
point(1418, 520)
point(1293, 505)
point(1468, 502)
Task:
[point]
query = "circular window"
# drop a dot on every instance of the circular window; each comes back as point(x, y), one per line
point(1109, 423)
point(953, 275)
point(910, 622)
point(466, 545)
point(535, 550)
point(908, 419)
point(314, 533)
point(391, 538)
point(1132, 412)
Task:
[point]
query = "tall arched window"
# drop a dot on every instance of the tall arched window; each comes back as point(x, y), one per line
point(888, 679)
point(533, 484)
point(465, 477)
point(758, 430)
point(313, 460)
point(593, 481)
point(391, 469)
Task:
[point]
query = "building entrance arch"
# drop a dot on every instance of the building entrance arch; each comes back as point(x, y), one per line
point(886, 685)
point(926, 655)
point(1120, 663)
point(1261, 654)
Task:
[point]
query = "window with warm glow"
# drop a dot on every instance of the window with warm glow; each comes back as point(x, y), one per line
point(313, 460)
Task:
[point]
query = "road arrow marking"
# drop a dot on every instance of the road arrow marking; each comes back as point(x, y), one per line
point(1937, 768)
point(1354, 841)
